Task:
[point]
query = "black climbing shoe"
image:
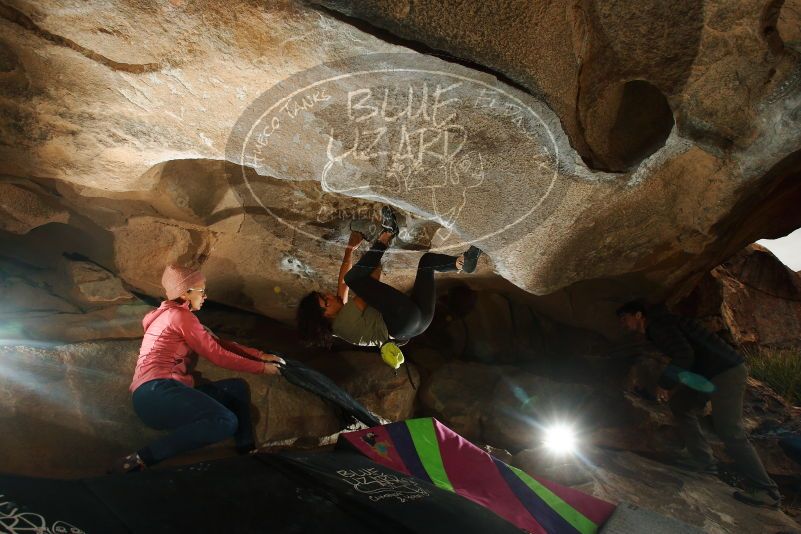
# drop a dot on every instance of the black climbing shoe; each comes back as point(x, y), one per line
point(388, 221)
point(471, 259)
point(759, 497)
point(129, 464)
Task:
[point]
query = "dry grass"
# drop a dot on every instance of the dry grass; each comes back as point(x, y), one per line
point(778, 368)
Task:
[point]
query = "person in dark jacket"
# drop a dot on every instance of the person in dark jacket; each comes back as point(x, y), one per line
point(691, 348)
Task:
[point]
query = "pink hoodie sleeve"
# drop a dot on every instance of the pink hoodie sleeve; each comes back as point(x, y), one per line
point(200, 341)
point(237, 348)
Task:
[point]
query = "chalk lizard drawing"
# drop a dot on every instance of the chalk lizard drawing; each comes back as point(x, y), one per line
point(426, 153)
point(402, 138)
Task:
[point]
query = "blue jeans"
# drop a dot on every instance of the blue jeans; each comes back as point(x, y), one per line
point(197, 416)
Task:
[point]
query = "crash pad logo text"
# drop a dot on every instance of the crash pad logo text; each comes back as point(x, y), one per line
point(379, 486)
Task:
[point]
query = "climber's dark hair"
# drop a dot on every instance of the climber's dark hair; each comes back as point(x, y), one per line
point(314, 327)
point(632, 307)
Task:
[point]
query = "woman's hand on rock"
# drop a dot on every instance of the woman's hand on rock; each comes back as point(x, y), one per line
point(271, 369)
point(271, 358)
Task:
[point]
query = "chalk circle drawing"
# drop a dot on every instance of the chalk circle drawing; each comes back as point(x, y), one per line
point(13, 520)
point(434, 139)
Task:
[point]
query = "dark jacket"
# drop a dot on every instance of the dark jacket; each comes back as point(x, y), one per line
point(689, 346)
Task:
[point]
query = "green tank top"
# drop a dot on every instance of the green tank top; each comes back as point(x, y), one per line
point(364, 328)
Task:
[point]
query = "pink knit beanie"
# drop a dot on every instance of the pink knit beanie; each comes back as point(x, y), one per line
point(176, 280)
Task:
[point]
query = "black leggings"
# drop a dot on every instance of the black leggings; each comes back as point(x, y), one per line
point(405, 316)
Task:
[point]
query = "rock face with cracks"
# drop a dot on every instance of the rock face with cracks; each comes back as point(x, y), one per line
point(67, 409)
point(752, 297)
point(699, 500)
point(598, 148)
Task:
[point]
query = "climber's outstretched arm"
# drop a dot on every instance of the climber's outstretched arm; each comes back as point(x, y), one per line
point(347, 263)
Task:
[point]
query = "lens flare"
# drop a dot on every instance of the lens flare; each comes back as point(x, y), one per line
point(560, 439)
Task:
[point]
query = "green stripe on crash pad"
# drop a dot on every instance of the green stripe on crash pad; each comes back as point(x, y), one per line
point(576, 519)
point(425, 442)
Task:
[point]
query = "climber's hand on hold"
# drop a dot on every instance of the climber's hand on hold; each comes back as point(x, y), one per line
point(355, 239)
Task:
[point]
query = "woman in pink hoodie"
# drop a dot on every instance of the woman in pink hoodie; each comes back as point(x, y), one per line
point(164, 396)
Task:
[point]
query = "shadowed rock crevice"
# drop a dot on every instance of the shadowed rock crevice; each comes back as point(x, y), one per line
point(571, 54)
point(770, 212)
point(789, 25)
point(18, 17)
point(383, 34)
point(262, 241)
point(781, 25)
point(768, 209)
point(8, 60)
point(99, 134)
point(628, 123)
point(751, 300)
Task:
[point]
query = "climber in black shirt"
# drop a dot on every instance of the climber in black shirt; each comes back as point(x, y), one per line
point(695, 351)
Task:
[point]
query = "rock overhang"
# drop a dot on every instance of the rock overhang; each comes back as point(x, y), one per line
point(142, 153)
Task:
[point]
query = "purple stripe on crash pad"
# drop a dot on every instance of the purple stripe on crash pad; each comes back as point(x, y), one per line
point(473, 474)
point(593, 508)
point(399, 433)
point(547, 517)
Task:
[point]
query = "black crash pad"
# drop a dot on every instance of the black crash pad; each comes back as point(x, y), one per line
point(336, 492)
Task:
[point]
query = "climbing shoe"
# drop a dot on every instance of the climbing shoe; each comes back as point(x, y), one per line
point(366, 227)
point(388, 221)
point(392, 355)
point(471, 259)
point(759, 497)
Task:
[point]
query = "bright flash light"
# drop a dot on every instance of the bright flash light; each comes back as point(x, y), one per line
point(560, 439)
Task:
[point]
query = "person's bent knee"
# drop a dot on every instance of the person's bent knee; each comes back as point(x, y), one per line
point(431, 260)
point(356, 277)
point(235, 386)
point(224, 425)
point(237, 381)
point(425, 259)
point(350, 277)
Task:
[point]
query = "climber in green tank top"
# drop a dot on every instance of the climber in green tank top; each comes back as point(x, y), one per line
point(364, 327)
point(378, 312)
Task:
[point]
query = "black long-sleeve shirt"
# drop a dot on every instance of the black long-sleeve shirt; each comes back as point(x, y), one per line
point(689, 346)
